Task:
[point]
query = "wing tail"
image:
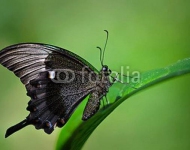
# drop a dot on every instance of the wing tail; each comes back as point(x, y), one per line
point(16, 127)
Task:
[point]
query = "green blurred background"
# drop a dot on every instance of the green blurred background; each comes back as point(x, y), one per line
point(143, 35)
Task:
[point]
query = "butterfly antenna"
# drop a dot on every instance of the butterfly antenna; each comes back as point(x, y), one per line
point(104, 46)
point(102, 52)
point(100, 55)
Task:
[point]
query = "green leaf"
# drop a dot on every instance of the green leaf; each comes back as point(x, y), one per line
point(76, 132)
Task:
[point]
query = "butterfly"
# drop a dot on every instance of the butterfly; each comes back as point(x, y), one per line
point(57, 81)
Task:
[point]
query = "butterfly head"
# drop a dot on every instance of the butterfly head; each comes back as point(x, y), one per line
point(105, 70)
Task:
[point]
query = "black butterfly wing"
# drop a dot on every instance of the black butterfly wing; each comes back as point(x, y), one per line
point(51, 103)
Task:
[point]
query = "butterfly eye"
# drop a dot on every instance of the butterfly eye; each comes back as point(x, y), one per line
point(106, 70)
